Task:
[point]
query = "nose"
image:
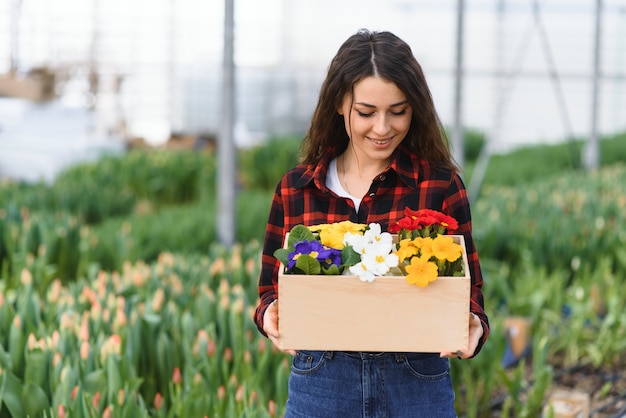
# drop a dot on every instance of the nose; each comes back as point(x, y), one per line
point(381, 124)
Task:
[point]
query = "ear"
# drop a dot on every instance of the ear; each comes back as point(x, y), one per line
point(340, 111)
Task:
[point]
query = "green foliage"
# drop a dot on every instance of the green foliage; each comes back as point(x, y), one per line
point(119, 185)
point(263, 166)
point(531, 164)
point(125, 248)
point(181, 229)
point(556, 221)
point(613, 150)
point(166, 339)
point(474, 141)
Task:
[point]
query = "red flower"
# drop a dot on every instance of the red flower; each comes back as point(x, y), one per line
point(429, 219)
point(432, 217)
point(409, 223)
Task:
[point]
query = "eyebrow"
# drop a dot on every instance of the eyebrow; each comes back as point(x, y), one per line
point(374, 107)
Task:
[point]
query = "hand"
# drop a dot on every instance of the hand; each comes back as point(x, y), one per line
point(270, 326)
point(475, 333)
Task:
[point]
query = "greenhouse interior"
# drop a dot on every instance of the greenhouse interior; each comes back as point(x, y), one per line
point(142, 145)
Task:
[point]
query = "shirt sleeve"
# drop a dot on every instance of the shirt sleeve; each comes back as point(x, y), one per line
point(456, 204)
point(268, 279)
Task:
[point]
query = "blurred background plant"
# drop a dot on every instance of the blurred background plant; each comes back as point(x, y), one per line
point(115, 297)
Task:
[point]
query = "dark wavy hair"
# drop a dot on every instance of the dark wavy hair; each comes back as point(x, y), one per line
point(385, 55)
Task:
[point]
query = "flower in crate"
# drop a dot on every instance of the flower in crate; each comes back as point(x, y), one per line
point(424, 252)
point(375, 249)
point(339, 247)
point(423, 223)
point(314, 252)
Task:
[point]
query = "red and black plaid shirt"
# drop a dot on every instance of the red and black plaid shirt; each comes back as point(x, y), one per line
point(302, 197)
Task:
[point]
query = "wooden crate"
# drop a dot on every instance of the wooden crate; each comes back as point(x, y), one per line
point(343, 313)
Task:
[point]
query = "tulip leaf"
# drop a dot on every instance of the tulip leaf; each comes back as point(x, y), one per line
point(35, 400)
point(5, 359)
point(11, 394)
point(95, 381)
point(36, 371)
point(152, 319)
point(113, 377)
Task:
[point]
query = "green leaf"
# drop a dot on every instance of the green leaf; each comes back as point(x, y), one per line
point(95, 381)
point(332, 270)
point(11, 394)
point(308, 265)
point(152, 319)
point(282, 255)
point(35, 400)
point(349, 257)
point(113, 377)
point(17, 340)
point(5, 359)
point(299, 233)
point(36, 370)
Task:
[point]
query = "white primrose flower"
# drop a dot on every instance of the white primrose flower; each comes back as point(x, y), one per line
point(358, 242)
point(374, 234)
point(376, 253)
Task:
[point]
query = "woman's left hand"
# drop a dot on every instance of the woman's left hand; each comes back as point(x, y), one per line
point(475, 333)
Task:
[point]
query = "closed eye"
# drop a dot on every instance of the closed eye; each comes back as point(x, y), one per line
point(367, 115)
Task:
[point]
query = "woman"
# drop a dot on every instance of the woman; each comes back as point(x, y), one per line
point(375, 146)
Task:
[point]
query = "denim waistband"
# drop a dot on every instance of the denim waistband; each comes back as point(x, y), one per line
point(367, 355)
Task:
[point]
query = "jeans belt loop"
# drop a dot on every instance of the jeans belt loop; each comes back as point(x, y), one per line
point(400, 357)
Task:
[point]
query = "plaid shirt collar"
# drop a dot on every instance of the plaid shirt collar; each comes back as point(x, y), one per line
point(404, 166)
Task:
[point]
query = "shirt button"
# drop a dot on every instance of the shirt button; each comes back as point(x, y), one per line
point(382, 177)
point(372, 194)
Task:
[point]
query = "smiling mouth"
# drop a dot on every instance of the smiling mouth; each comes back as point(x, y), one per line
point(380, 141)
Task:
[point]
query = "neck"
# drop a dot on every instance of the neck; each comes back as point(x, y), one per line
point(357, 178)
point(367, 170)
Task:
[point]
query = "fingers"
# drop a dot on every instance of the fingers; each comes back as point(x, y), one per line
point(475, 333)
point(270, 326)
point(460, 354)
point(270, 320)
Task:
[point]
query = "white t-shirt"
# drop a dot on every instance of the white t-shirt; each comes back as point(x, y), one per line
point(333, 183)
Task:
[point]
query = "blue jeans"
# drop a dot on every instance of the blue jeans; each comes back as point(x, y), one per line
point(369, 385)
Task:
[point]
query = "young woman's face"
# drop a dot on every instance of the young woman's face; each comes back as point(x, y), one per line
point(377, 118)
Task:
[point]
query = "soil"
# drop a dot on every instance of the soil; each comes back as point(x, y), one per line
point(606, 387)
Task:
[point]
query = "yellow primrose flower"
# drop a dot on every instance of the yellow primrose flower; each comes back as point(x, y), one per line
point(406, 249)
point(332, 235)
point(444, 248)
point(421, 271)
point(425, 245)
